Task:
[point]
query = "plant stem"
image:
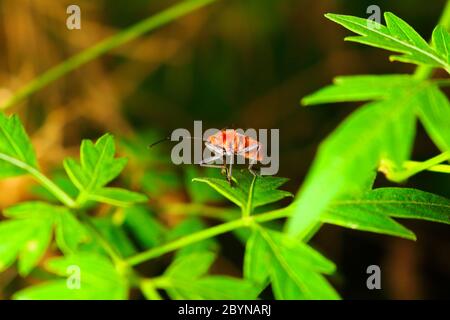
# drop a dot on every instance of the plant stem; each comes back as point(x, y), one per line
point(207, 233)
point(442, 168)
point(149, 289)
point(104, 46)
point(418, 167)
point(42, 179)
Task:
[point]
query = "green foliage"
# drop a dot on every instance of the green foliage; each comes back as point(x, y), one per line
point(16, 150)
point(185, 279)
point(249, 192)
point(100, 253)
point(397, 36)
point(294, 268)
point(99, 280)
point(98, 167)
point(28, 233)
point(398, 203)
point(381, 132)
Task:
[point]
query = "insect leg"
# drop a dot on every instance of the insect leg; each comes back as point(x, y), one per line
point(248, 149)
point(204, 163)
point(229, 171)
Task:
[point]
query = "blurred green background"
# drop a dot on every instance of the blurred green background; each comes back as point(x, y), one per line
point(236, 63)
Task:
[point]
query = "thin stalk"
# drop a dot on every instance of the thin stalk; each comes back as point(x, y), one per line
point(149, 289)
point(419, 167)
point(42, 179)
point(104, 46)
point(206, 234)
point(441, 168)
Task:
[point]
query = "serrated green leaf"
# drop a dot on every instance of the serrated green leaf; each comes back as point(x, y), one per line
point(191, 266)
point(98, 162)
point(396, 36)
point(265, 189)
point(350, 155)
point(212, 288)
point(434, 113)
point(27, 234)
point(355, 217)
point(98, 280)
point(361, 88)
point(293, 266)
point(400, 203)
point(441, 42)
point(15, 147)
point(97, 165)
point(198, 192)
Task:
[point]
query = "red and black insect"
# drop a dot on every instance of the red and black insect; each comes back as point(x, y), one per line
point(230, 143)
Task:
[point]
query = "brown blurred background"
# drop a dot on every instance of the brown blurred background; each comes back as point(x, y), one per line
point(235, 63)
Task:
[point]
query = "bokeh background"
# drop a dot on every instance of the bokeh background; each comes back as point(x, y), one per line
point(242, 64)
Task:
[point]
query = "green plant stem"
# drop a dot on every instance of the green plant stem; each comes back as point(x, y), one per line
point(424, 72)
point(104, 46)
point(441, 168)
point(42, 179)
point(148, 287)
point(418, 167)
point(207, 233)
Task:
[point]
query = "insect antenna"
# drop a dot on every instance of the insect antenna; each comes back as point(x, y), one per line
point(168, 139)
point(158, 142)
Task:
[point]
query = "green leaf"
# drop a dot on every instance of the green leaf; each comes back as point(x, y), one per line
point(97, 165)
point(265, 189)
point(355, 217)
point(186, 279)
point(191, 266)
point(347, 159)
point(212, 288)
point(99, 280)
point(293, 267)
point(114, 235)
point(147, 230)
point(399, 203)
point(16, 150)
point(434, 113)
point(117, 196)
point(199, 192)
point(27, 234)
point(257, 258)
point(361, 88)
point(441, 42)
point(396, 36)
